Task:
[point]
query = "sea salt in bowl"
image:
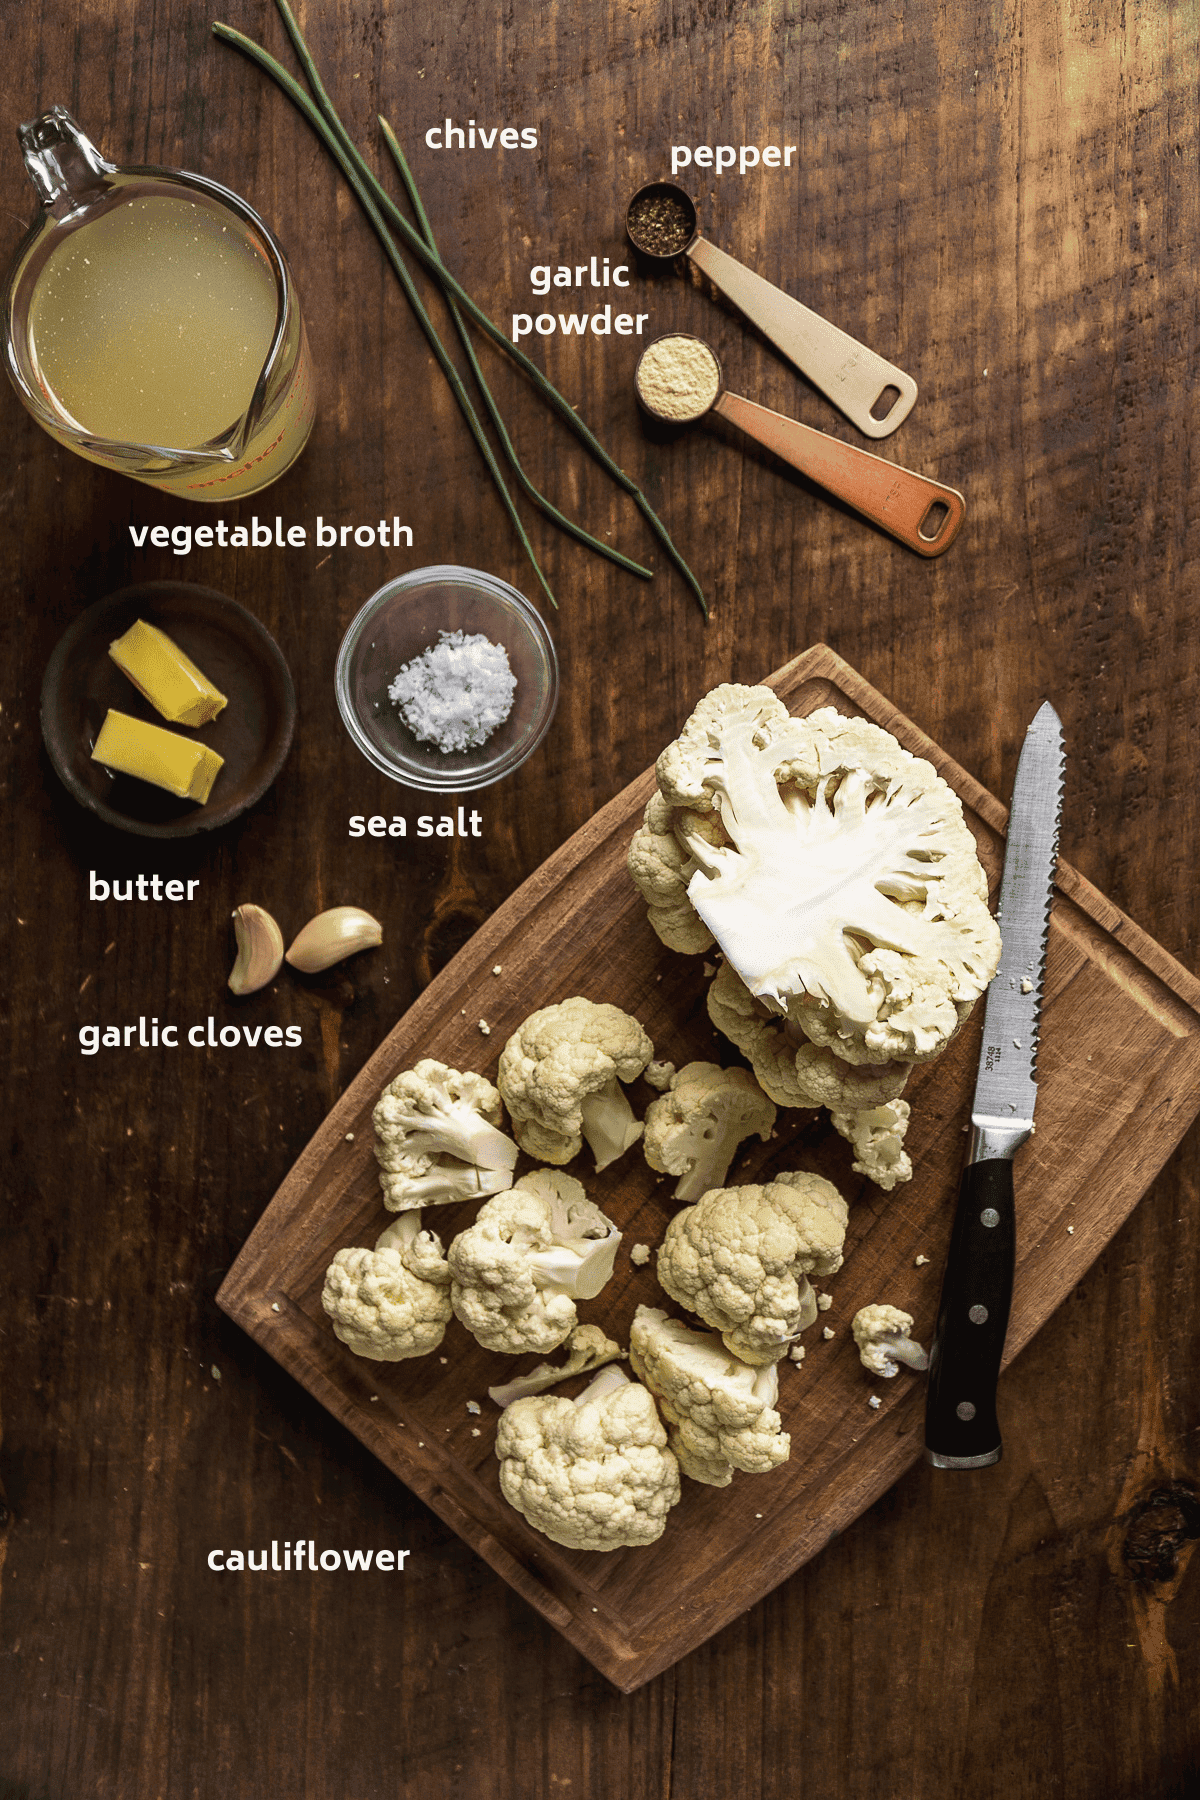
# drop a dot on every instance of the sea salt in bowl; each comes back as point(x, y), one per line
point(406, 618)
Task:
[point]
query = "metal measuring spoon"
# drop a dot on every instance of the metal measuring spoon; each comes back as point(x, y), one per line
point(678, 380)
point(661, 223)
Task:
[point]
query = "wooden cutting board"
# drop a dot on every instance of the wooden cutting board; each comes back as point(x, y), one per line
point(1119, 1082)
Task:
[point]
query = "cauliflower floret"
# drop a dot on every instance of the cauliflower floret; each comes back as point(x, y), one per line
point(741, 1258)
point(790, 1069)
point(587, 1348)
point(695, 1129)
point(842, 881)
point(393, 1301)
point(877, 1134)
point(720, 1412)
point(661, 869)
point(592, 1473)
point(517, 1272)
point(560, 1075)
point(882, 1335)
point(437, 1138)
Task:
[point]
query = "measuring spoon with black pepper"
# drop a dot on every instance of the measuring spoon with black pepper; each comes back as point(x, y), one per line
point(661, 223)
point(678, 380)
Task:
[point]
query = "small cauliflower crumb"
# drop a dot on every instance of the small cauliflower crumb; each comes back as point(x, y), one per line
point(1070, 1231)
point(457, 692)
point(497, 968)
point(443, 1359)
point(824, 1302)
point(216, 1373)
point(473, 1406)
point(372, 1398)
point(275, 1306)
point(875, 1402)
point(475, 1431)
point(658, 1074)
point(485, 1028)
point(797, 1353)
point(828, 1333)
point(640, 1254)
point(1026, 986)
point(349, 1137)
point(919, 1262)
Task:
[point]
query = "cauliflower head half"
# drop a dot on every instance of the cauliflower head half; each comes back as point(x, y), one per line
point(833, 868)
point(393, 1301)
point(741, 1258)
point(437, 1138)
point(593, 1473)
point(560, 1075)
point(720, 1412)
point(531, 1253)
point(695, 1129)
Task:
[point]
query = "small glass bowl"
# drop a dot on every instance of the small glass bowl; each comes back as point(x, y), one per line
point(405, 618)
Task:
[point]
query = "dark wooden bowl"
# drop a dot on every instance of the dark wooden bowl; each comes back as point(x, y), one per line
point(253, 732)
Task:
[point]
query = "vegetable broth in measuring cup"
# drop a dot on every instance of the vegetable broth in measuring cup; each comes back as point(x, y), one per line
point(153, 324)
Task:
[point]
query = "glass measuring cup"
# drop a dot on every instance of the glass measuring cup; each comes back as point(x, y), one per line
point(152, 324)
point(661, 223)
point(678, 380)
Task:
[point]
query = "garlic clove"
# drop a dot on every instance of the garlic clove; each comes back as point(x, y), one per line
point(259, 950)
point(333, 935)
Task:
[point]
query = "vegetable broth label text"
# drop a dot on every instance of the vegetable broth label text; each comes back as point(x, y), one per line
point(266, 534)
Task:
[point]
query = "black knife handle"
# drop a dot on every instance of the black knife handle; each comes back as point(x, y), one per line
point(961, 1429)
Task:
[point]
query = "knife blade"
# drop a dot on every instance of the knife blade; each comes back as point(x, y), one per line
point(961, 1427)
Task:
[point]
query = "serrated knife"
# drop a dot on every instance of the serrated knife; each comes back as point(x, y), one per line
point(961, 1428)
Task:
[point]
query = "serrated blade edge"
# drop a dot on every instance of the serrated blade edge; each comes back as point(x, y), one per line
point(1006, 1086)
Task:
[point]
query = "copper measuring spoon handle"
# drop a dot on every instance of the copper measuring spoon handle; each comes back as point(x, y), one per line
point(849, 374)
point(908, 506)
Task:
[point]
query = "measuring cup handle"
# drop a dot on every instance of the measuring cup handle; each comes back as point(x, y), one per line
point(849, 374)
point(906, 505)
point(62, 162)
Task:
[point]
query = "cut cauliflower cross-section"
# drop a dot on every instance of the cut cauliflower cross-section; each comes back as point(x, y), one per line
point(741, 1258)
point(437, 1138)
point(843, 884)
point(695, 1129)
point(531, 1253)
point(720, 1412)
point(393, 1301)
point(560, 1076)
point(592, 1473)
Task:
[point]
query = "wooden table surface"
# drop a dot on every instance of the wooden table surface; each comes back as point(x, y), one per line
point(1004, 201)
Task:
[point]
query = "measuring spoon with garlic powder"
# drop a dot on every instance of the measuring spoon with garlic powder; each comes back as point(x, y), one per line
point(678, 380)
point(661, 224)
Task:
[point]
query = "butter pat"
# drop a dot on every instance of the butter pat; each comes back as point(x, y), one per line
point(179, 764)
point(167, 678)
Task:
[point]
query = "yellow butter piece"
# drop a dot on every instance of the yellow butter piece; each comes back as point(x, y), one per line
point(179, 764)
point(167, 678)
